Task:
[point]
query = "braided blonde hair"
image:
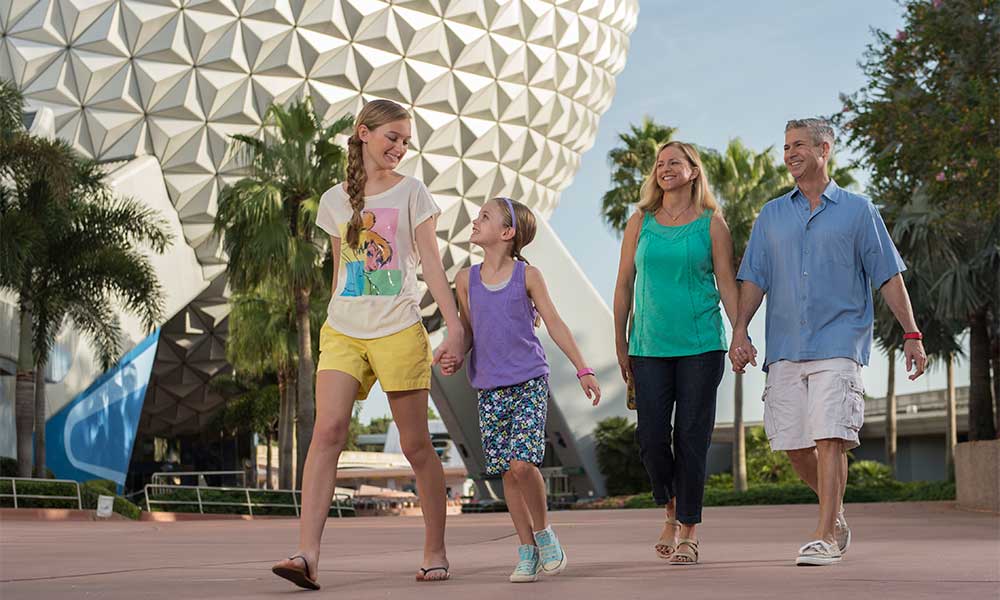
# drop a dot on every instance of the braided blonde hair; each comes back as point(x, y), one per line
point(374, 115)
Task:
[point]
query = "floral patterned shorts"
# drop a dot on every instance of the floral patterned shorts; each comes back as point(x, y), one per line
point(512, 423)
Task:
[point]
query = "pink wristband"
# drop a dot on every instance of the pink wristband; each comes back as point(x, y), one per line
point(584, 372)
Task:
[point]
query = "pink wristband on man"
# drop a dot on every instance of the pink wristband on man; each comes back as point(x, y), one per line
point(584, 372)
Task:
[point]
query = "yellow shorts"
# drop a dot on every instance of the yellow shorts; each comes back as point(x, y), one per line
point(400, 362)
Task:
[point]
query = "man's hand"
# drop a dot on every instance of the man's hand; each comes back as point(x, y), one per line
point(915, 356)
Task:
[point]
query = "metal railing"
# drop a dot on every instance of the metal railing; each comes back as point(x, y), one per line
point(200, 475)
point(337, 503)
point(13, 484)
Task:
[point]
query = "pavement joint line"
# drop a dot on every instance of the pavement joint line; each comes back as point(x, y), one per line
point(230, 564)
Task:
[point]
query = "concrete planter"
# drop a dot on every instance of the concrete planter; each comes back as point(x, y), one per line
point(977, 475)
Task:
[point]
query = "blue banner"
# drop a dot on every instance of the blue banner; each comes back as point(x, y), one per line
point(93, 435)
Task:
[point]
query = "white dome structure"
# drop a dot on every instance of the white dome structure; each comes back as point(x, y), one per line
point(506, 95)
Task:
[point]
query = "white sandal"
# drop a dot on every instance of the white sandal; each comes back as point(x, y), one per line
point(690, 556)
point(661, 543)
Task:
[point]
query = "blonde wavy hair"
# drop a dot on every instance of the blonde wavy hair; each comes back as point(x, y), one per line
point(374, 115)
point(651, 196)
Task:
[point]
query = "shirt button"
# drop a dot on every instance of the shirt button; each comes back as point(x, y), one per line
point(805, 274)
point(807, 252)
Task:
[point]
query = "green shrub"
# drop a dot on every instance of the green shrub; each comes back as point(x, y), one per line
point(618, 457)
point(769, 494)
point(763, 465)
point(187, 502)
point(89, 491)
point(869, 473)
point(720, 480)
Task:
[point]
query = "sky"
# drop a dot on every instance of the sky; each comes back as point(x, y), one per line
point(719, 70)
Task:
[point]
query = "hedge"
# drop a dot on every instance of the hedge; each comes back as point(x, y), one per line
point(189, 500)
point(89, 491)
point(765, 494)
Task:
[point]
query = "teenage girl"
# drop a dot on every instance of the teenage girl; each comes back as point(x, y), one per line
point(499, 301)
point(381, 225)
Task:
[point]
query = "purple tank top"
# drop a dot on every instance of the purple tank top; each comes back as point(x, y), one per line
point(505, 349)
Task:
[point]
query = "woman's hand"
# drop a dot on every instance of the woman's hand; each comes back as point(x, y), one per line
point(624, 364)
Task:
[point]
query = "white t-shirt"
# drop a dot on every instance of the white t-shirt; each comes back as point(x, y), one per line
point(376, 293)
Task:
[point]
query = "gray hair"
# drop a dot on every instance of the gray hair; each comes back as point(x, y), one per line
point(819, 129)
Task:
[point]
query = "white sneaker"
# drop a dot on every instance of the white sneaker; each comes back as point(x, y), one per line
point(818, 553)
point(842, 532)
point(550, 553)
point(528, 566)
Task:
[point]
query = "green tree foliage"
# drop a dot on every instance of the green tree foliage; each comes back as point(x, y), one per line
point(926, 124)
point(631, 162)
point(69, 249)
point(618, 457)
point(267, 223)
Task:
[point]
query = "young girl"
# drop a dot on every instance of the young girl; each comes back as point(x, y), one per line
point(498, 301)
point(381, 225)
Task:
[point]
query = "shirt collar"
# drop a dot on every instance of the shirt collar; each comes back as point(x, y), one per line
point(831, 193)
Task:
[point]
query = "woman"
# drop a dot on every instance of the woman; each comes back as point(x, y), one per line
point(676, 262)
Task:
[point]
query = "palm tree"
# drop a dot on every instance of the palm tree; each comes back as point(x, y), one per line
point(744, 180)
point(252, 406)
point(52, 200)
point(262, 340)
point(268, 221)
point(632, 161)
point(931, 244)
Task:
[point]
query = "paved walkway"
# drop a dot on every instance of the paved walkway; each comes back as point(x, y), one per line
point(911, 551)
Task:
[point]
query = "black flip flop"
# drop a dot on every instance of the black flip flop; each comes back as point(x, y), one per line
point(422, 575)
point(299, 577)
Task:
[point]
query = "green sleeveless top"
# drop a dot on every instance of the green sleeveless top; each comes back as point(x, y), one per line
point(676, 299)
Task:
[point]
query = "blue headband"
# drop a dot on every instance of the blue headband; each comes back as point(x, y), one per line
point(513, 217)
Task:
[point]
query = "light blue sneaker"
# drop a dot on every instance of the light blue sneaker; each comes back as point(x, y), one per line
point(528, 566)
point(551, 554)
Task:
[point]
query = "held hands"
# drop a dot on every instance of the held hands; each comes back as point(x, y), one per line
point(450, 353)
point(450, 364)
point(915, 356)
point(741, 352)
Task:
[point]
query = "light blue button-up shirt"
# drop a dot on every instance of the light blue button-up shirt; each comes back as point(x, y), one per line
point(817, 268)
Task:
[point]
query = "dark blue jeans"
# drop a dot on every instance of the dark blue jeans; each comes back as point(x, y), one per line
point(684, 388)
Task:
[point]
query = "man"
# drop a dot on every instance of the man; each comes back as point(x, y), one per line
point(816, 252)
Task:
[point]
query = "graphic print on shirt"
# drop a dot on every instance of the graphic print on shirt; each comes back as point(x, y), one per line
point(372, 268)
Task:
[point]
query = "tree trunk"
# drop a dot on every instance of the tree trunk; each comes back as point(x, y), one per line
point(267, 469)
point(739, 437)
point(305, 412)
point(41, 415)
point(995, 360)
point(981, 423)
point(285, 429)
point(890, 415)
point(24, 394)
point(951, 426)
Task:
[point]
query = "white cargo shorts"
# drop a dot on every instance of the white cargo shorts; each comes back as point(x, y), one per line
point(811, 400)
